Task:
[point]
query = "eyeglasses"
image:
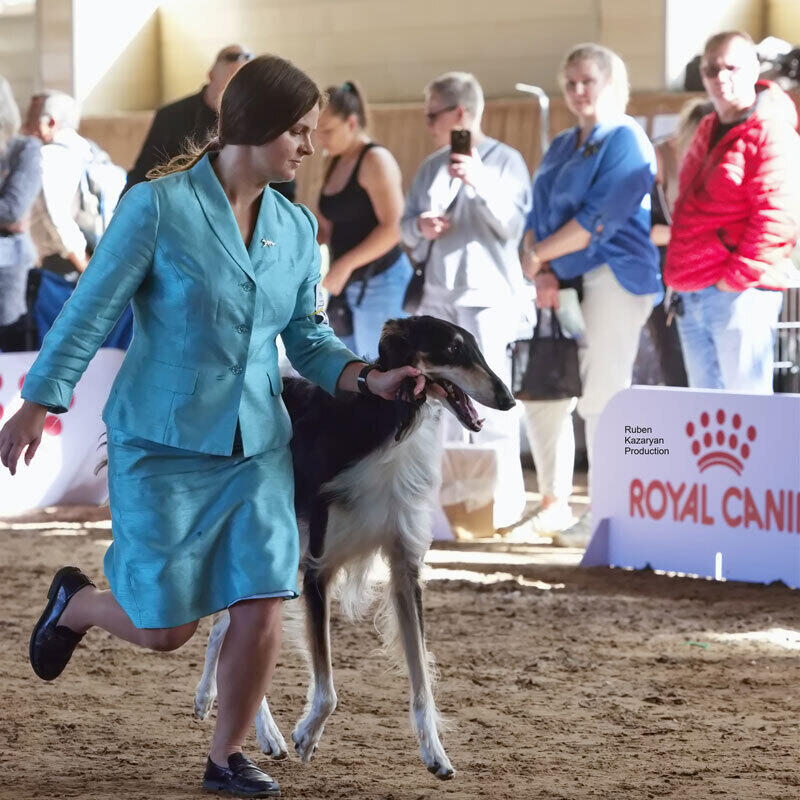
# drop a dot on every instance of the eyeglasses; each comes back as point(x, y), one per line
point(712, 70)
point(233, 57)
point(432, 116)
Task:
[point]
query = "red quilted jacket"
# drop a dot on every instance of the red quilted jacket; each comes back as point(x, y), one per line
point(737, 215)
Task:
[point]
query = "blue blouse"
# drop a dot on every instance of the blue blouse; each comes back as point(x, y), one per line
point(605, 184)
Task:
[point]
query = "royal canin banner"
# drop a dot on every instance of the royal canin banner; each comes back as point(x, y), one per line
point(63, 469)
point(699, 482)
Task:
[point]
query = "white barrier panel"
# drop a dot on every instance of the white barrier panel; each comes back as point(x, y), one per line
point(700, 482)
point(63, 469)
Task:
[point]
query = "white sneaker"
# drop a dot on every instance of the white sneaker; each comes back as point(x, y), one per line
point(578, 535)
point(553, 519)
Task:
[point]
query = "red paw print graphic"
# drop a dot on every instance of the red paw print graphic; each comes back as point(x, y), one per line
point(720, 441)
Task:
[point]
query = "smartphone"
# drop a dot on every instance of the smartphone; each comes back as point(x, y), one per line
point(460, 141)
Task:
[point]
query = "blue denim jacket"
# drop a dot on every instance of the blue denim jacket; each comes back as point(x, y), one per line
point(605, 184)
point(207, 312)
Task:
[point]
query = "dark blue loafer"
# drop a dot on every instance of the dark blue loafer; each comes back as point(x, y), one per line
point(242, 778)
point(52, 644)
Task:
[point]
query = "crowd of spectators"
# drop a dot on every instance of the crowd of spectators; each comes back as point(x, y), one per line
point(714, 209)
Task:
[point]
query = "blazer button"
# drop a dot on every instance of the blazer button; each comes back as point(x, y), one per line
point(235, 369)
point(247, 286)
point(242, 329)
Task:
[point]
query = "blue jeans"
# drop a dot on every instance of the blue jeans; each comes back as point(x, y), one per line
point(727, 338)
point(383, 299)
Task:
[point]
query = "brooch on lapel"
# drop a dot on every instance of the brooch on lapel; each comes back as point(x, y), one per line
point(591, 149)
point(267, 243)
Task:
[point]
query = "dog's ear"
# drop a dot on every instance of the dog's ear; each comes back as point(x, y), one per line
point(395, 348)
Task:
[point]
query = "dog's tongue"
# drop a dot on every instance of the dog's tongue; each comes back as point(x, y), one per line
point(467, 409)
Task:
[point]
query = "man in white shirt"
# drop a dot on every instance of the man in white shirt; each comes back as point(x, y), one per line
point(53, 117)
point(465, 215)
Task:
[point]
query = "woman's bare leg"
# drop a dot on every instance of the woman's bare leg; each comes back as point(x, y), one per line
point(246, 663)
point(97, 607)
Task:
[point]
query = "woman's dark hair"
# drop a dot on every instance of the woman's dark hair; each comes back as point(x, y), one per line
point(348, 99)
point(262, 100)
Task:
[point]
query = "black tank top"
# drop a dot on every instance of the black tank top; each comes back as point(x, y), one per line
point(353, 218)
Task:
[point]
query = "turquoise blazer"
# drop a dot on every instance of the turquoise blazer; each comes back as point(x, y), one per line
point(207, 312)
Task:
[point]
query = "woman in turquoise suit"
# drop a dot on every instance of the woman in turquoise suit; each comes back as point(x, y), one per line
point(217, 264)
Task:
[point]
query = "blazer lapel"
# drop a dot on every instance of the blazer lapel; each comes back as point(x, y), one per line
point(219, 214)
point(265, 249)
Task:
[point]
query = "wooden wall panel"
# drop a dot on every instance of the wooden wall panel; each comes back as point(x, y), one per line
point(402, 129)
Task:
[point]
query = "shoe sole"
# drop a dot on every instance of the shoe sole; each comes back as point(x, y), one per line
point(218, 788)
point(51, 596)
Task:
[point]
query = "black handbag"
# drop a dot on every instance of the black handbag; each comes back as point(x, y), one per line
point(545, 367)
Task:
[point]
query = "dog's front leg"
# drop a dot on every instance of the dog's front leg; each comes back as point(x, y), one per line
point(407, 596)
point(269, 737)
point(206, 692)
point(322, 695)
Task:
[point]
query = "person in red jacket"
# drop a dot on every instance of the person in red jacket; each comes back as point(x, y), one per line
point(736, 220)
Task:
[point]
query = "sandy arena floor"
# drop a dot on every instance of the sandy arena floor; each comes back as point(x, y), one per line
point(558, 683)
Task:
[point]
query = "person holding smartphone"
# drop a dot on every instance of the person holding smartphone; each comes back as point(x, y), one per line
point(466, 212)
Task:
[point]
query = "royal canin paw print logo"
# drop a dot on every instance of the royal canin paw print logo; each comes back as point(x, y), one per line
point(720, 441)
point(52, 424)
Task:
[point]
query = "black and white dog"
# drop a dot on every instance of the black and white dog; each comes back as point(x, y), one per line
point(367, 474)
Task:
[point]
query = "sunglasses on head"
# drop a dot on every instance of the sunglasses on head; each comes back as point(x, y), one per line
point(712, 70)
point(431, 116)
point(233, 57)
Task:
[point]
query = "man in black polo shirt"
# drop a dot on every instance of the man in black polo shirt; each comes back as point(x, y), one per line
point(192, 118)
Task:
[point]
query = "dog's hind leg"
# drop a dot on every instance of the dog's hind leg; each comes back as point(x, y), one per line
point(322, 695)
point(206, 692)
point(407, 597)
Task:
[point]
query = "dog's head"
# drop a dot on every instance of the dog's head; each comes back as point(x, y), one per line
point(449, 356)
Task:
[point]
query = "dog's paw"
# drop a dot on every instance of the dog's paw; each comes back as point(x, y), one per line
point(203, 701)
point(444, 772)
point(271, 741)
point(306, 739)
point(268, 735)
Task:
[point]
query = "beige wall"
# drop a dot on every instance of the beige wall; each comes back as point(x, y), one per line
point(635, 30)
point(54, 45)
point(121, 55)
point(394, 48)
point(17, 52)
point(690, 22)
point(116, 64)
point(783, 19)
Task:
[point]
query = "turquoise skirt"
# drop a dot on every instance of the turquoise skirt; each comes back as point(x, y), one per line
point(196, 533)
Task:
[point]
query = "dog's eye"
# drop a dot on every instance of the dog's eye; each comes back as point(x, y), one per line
point(454, 347)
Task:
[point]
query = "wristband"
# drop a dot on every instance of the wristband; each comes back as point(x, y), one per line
point(361, 381)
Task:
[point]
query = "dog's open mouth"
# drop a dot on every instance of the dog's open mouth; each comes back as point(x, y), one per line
point(461, 404)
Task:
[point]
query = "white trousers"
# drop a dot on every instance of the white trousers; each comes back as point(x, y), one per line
point(549, 427)
point(494, 328)
point(614, 319)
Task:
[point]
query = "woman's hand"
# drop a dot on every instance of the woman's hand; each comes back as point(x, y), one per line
point(387, 384)
point(546, 290)
point(531, 264)
point(23, 430)
point(336, 278)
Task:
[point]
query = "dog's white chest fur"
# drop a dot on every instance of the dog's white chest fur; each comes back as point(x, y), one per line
point(386, 497)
